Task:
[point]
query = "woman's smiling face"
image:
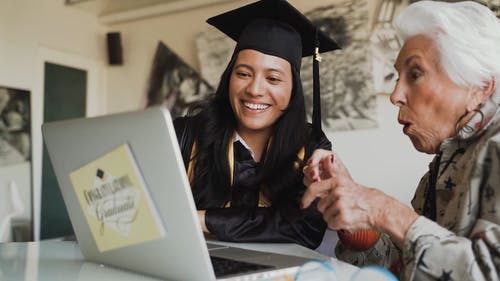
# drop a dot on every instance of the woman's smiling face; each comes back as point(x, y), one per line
point(260, 89)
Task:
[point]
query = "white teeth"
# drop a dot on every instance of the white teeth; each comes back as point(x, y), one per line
point(255, 106)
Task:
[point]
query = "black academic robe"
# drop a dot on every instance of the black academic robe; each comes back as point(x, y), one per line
point(244, 219)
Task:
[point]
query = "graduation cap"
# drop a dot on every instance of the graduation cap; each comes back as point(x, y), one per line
point(275, 27)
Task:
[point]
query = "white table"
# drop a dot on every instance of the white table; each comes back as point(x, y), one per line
point(62, 261)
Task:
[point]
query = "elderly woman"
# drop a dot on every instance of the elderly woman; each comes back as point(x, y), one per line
point(448, 104)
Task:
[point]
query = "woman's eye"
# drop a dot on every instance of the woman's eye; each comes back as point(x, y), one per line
point(273, 79)
point(415, 74)
point(242, 74)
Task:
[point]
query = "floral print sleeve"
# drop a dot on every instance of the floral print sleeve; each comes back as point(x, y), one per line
point(464, 242)
point(457, 236)
point(435, 253)
point(383, 253)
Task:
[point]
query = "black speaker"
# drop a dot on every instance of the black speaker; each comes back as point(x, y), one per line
point(115, 52)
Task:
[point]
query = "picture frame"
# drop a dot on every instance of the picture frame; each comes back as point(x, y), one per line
point(174, 84)
point(16, 158)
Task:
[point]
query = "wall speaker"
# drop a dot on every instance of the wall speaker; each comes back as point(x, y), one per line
point(115, 52)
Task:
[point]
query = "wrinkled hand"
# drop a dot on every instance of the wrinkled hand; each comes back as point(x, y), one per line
point(344, 203)
point(319, 166)
point(350, 206)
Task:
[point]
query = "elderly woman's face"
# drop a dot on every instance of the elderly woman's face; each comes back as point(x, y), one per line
point(430, 104)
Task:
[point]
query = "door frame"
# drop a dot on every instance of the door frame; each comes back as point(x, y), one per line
point(96, 105)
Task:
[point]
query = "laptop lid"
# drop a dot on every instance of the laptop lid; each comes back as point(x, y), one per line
point(123, 181)
point(150, 138)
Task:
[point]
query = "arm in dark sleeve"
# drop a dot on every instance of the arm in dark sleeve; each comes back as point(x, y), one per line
point(284, 221)
point(279, 224)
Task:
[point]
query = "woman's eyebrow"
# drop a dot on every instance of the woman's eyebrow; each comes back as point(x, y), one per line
point(408, 60)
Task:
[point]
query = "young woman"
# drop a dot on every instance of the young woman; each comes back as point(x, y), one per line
point(244, 148)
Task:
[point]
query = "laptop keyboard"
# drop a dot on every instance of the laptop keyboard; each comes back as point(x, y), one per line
point(223, 266)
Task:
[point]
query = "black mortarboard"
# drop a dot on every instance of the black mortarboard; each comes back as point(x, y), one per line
point(276, 28)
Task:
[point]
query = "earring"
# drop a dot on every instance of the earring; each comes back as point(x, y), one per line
point(466, 130)
point(481, 114)
point(457, 125)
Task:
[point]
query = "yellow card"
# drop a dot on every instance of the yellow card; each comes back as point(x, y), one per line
point(115, 201)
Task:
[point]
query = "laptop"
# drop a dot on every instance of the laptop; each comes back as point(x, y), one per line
point(124, 185)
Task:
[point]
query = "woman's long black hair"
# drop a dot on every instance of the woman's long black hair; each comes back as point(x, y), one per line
point(215, 124)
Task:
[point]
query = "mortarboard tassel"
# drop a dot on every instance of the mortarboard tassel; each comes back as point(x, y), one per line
point(316, 116)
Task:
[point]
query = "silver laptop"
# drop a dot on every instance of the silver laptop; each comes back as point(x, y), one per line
point(124, 184)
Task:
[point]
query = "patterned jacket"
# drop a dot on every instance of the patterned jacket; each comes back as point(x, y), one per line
point(457, 236)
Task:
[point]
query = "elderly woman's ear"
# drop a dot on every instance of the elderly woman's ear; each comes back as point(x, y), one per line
point(482, 94)
point(490, 88)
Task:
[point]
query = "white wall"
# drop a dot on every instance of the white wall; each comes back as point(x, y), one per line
point(382, 158)
point(139, 41)
point(32, 32)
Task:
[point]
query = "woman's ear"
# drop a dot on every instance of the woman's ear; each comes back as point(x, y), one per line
point(482, 94)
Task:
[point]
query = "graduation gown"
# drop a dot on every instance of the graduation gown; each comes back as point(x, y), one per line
point(247, 216)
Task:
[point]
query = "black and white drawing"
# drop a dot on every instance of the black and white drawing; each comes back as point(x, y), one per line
point(15, 126)
point(348, 99)
point(214, 52)
point(174, 84)
point(385, 45)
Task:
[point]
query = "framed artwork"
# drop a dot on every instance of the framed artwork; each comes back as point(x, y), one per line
point(16, 158)
point(385, 45)
point(348, 99)
point(15, 126)
point(173, 83)
point(214, 52)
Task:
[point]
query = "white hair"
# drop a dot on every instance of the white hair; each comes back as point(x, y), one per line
point(467, 35)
